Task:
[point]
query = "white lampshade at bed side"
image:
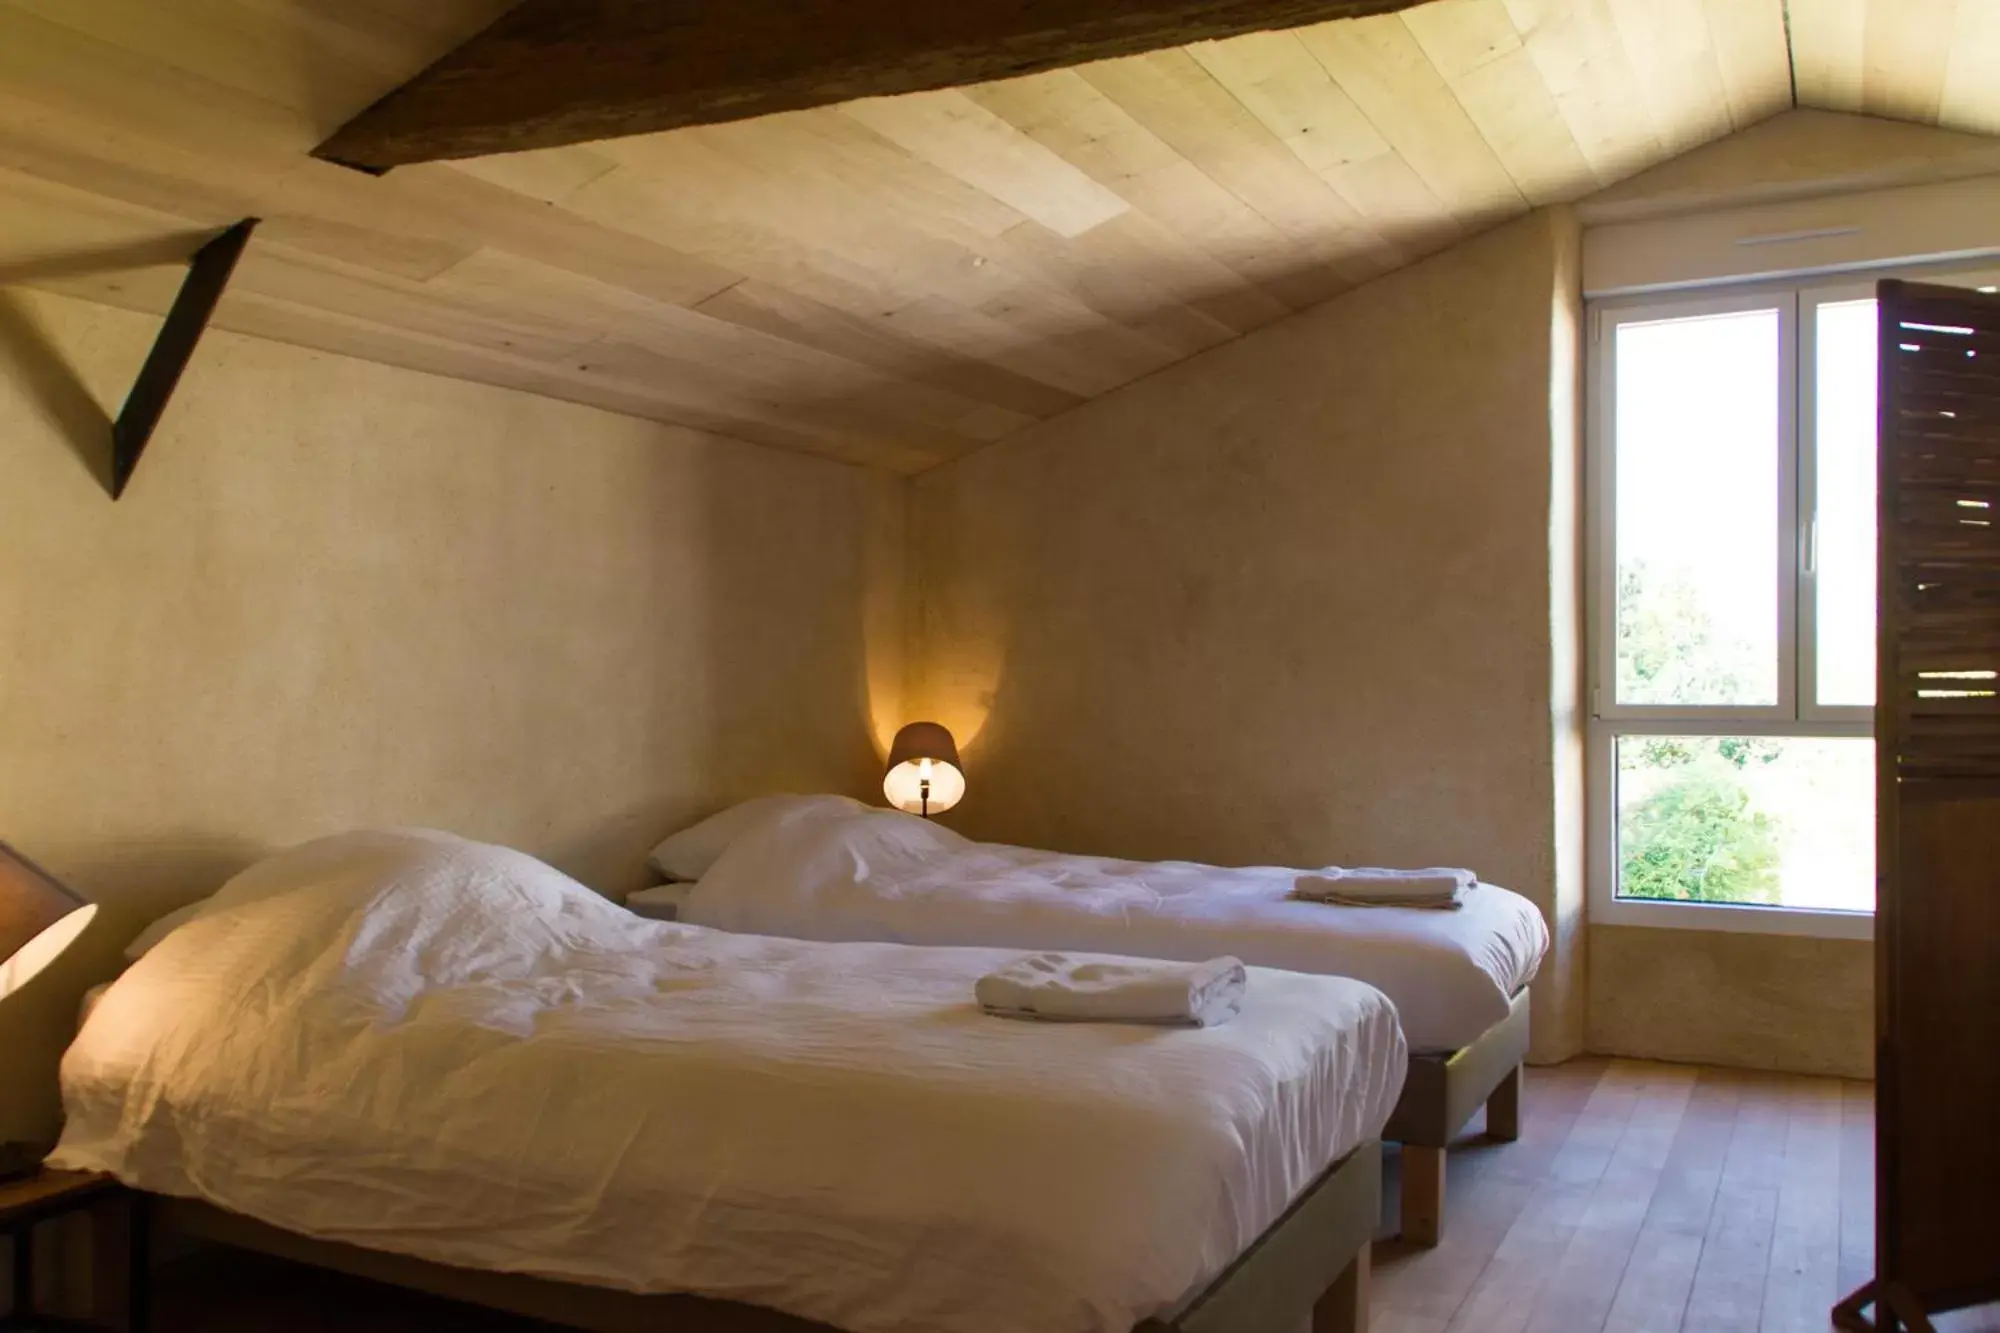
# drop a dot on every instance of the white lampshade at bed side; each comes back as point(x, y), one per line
point(924, 777)
point(38, 919)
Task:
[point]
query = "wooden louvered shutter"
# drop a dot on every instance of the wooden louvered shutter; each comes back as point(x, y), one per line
point(1938, 755)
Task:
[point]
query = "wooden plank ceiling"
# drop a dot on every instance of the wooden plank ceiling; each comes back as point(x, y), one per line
point(895, 281)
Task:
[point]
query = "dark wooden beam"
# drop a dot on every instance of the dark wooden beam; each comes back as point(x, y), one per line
point(553, 72)
point(208, 273)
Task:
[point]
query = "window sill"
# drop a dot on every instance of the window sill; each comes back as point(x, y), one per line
point(1796, 921)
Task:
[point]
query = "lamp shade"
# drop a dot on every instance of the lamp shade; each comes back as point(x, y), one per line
point(924, 777)
point(38, 918)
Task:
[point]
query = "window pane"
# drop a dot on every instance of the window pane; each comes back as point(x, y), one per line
point(1775, 821)
point(1697, 509)
point(1844, 471)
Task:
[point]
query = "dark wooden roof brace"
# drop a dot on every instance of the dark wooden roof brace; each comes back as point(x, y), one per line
point(554, 72)
point(208, 273)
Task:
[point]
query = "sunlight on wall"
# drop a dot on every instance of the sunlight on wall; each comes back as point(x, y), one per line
point(1560, 1030)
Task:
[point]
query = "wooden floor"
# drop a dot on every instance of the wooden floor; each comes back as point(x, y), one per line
point(1649, 1198)
point(1640, 1198)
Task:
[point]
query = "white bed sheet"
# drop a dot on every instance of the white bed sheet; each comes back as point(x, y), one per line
point(452, 1051)
point(882, 875)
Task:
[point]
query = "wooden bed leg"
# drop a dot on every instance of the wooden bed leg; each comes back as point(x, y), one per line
point(1503, 1109)
point(1423, 1194)
point(1344, 1306)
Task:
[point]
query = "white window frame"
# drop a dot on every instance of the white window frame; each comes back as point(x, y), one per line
point(1602, 469)
point(1810, 297)
point(1795, 713)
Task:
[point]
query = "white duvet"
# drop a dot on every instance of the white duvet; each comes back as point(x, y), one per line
point(859, 874)
point(423, 1045)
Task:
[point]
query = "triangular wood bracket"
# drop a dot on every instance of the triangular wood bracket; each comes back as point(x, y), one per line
point(208, 273)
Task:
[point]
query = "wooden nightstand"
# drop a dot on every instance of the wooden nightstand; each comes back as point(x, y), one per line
point(118, 1248)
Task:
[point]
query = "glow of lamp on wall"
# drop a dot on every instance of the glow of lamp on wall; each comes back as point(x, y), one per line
point(924, 777)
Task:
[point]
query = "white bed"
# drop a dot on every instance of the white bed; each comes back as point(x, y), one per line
point(830, 869)
point(425, 1046)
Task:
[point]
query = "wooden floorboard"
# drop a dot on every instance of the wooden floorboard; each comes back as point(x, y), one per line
point(1658, 1275)
point(1640, 1198)
point(1515, 1281)
point(1857, 1185)
point(1487, 1187)
point(1651, 1198)
point(1803, 1276)
point(1728, 1291)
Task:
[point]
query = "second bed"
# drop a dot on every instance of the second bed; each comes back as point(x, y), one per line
point(831, 869)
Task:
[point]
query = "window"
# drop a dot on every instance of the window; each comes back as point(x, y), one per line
point(1733, 610)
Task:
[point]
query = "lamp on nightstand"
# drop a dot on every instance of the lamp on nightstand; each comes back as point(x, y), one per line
point(39, 918)
point(923, 777)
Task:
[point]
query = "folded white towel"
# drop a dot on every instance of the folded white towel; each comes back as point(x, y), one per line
point(1057, 988)
point(1453, 903)
point(1440, 888)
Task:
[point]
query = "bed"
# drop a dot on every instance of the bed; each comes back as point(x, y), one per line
point(828, 868)
point(448, 1065)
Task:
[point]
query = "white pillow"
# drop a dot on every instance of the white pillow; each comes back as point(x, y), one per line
point(279, 873)
point(689, 853)
point(162, 928)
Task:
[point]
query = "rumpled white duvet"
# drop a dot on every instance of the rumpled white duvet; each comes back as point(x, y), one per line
point(824, 873)
point(419, 1044)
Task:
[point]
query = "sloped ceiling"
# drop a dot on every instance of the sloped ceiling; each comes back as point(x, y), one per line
point(895, 281)
point(1795, 155)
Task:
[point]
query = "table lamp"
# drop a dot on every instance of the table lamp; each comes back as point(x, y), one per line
point(39, 918)
point(923, 777)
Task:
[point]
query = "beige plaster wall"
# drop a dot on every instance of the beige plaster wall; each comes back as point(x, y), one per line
point(1291, 601)
point(340, 594)
point(1563, 997)
point(1759, 1001)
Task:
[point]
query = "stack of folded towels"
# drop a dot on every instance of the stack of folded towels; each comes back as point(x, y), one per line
point(1438, 889)
point(1056, 988)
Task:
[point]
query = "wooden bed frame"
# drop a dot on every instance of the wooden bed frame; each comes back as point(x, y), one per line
point(1439, 1097)
point(1309, 1271)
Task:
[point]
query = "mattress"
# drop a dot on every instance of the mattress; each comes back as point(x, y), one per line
point(417, 1044)
point(880, 875)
